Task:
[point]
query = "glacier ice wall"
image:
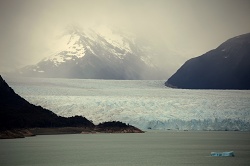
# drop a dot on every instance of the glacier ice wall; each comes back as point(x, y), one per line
point(145, 104)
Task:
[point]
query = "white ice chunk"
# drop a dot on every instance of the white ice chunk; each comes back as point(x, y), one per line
point(223, 154)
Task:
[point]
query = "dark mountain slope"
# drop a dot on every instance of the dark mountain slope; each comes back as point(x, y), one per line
point(226, 67)
point(16, 112)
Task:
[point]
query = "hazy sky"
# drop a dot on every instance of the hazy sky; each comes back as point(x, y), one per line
point(187, 27)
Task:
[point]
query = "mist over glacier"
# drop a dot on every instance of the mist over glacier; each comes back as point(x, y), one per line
point(146, 104)
point(100, 52)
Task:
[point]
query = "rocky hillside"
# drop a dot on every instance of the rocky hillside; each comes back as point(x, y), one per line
point(116, 127)
point(226, 67)
point(16, 112)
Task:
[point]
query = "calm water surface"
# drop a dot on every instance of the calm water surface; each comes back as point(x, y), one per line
point(148, 149)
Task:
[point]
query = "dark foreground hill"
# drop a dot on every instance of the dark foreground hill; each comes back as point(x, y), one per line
point(226, 67)
point(17, 114)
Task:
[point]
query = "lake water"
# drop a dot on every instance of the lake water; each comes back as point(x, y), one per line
point(148, 149)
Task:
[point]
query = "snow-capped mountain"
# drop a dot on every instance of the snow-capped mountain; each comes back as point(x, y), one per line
point(98, 53)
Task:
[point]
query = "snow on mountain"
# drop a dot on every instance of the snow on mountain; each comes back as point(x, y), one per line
point(100, 53)
point(74, 49)
point(146, 104)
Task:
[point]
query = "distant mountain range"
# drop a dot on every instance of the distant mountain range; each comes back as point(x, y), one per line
point(98, 53)
point(226, 67)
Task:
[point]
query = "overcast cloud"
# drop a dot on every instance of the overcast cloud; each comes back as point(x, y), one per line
point(187, 27)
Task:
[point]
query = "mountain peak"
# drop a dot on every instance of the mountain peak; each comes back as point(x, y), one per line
point(99, 52)
point(73, 28)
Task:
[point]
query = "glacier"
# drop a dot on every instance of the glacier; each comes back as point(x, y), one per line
point(146, 104)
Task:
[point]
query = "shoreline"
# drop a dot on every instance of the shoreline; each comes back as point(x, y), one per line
point(31, 132)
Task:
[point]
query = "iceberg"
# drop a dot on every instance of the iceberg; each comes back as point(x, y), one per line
point(223, 154)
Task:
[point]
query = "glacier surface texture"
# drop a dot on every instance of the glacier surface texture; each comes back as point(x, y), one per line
point(144, 104)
